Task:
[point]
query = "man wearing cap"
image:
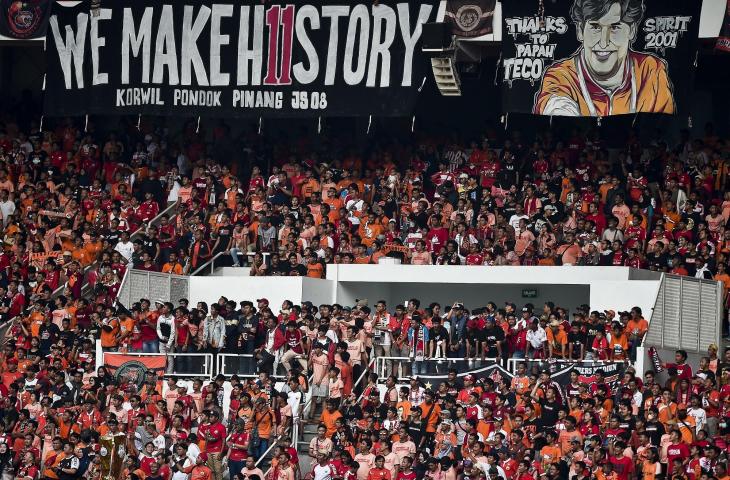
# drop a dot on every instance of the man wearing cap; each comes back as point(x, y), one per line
point(457, 331)
point(215, 436)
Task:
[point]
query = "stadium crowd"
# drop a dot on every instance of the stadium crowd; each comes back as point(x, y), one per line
point(58, 405)
point(71, 198)
point(77, 210)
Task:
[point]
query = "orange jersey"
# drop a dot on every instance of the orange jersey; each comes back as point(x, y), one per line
point(567, 89)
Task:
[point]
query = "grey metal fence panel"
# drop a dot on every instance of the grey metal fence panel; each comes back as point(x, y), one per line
point(159, 287)
point(689, 307)
point(672, 313)
point(153, 286)
point(179, 288)
point(138, 285)
point(687, 314)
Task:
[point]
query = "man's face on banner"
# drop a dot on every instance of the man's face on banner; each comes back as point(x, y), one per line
point(606, 42)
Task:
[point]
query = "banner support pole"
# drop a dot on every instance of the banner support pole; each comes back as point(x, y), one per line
point(260, 122)
point(86, 123)
point(370, 121)
point(139, 121)
point(496, 70)
point(197, 127)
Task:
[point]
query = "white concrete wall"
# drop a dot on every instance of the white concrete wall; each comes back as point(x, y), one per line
point(276, 289)
point(318, 291)
point(474, 274)
point(619, 296)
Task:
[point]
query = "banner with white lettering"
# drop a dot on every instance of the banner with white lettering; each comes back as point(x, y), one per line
point(233, 59)
point(588, 373)
point(599, 57)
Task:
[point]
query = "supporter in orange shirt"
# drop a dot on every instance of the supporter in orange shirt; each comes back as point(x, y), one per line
point(329, 416)
point(557, 340)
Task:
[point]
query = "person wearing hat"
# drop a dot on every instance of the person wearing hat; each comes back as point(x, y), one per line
point(458, 319)
point(215, 436)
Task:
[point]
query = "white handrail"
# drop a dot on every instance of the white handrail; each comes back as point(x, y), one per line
point(295, 430)
point(209, 262)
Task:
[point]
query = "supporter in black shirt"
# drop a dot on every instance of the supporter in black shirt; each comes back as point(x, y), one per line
point(626, 418)
point(453, 384)
point(293, 267)
point(576, 341)
point(656, 259)
point(549, 410)
point(416, 426)
point(438, 335)
point(654, 428)
point(150, 244)
point(232, 321)
point(66, 335)
point(47, 334)
point(492, 338)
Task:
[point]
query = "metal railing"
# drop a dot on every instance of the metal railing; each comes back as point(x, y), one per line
point(210, 263)
point(234, 363)
point(181, 364)
point(427, 367)
point(294, 428)
point(152, 285)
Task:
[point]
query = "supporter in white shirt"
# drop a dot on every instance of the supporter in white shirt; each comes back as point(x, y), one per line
point(514, 220)
point(323, 470)
point(536, 336)
point(167, 340)
point(7, 207)
point(698, 413)
point(125, 247)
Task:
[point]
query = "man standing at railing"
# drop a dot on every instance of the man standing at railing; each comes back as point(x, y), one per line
point(383, 325)
point(166, 331)
point(214, 333)
point(273, 341)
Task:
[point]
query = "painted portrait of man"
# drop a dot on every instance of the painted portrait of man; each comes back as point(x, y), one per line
point(605, 76)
